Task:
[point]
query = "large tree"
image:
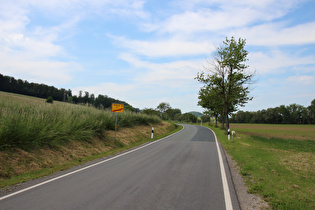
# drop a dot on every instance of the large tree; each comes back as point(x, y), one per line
point(227, 79)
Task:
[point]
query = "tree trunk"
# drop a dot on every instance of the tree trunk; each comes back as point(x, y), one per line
point(222, 119)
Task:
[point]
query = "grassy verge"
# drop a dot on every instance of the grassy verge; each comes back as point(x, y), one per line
point(280, 170)
point(29, 123)
point(38, 139)
point(20, 166)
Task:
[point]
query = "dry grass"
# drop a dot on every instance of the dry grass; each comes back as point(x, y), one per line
point(299, 163)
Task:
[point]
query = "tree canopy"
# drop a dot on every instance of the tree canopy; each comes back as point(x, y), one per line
point(226, 81)
point(291, 114)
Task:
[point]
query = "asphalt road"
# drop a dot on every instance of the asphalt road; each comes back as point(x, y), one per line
point(181, 171)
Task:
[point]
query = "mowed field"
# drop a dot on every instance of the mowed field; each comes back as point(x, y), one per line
point(299, 132)
point(276, 161)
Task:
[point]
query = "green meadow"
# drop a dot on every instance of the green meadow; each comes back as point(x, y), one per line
point(276, 161)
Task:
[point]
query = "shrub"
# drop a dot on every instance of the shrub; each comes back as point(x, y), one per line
point(50, 100)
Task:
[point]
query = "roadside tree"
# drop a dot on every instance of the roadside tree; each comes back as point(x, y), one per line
point(227, 78)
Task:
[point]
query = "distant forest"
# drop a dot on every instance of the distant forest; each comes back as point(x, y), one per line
point(12, 85)
point(292, 114)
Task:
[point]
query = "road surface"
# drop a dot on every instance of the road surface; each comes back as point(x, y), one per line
point(182, 171)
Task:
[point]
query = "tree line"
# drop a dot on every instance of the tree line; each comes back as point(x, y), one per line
point(19, 86)
point(292, 114)
point(166, 112)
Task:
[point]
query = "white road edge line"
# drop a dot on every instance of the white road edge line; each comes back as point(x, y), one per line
point(87, 167)
point(226, 191)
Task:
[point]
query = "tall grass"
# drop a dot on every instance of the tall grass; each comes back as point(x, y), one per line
point(29, 123)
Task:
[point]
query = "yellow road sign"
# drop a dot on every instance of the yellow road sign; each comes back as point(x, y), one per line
point(117, 108)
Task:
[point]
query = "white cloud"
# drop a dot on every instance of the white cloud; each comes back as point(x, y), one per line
point(277, 34)
point(170, 74)
point(302, 80)
point(33, 54)
point(36, 69)
point(276, 61)
point(215, 15)
point(164, 48)
point(152, 83)
point(262, 4)
point(163, 57)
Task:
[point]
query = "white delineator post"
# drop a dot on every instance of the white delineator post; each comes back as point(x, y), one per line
point(152, 133)
point(229, 136)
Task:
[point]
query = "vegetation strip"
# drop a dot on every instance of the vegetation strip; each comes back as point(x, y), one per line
point(58, 164)
point(39, 138)
point(280, 170)
point(82, 169)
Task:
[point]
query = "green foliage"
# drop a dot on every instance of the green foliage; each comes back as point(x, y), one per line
point(129, 119)
point(165, 111)
point(151, 111)
point(50, 100)
point(292, 114)
point(10, 84)
point(188, 117)
point(162, 107)
point(197, 114)
point(205, 118)
point(226, 87)
point(29, 123)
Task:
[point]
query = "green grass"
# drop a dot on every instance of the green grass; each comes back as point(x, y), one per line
point(38, 138)
point(29, 123)
point(301, 132)
point(280, 170)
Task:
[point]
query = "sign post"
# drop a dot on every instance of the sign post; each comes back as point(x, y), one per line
point(118, 108)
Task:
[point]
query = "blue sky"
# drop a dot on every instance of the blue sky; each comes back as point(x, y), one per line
point(148, 51)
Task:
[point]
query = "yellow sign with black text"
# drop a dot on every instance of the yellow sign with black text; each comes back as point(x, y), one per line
point(117, 108)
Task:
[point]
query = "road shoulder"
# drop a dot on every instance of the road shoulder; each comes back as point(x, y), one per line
point(247, 201)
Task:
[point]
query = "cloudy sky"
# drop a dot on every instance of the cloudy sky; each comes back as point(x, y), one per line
point(149, 51)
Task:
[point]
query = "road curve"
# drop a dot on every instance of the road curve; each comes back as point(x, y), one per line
point(181, 171)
